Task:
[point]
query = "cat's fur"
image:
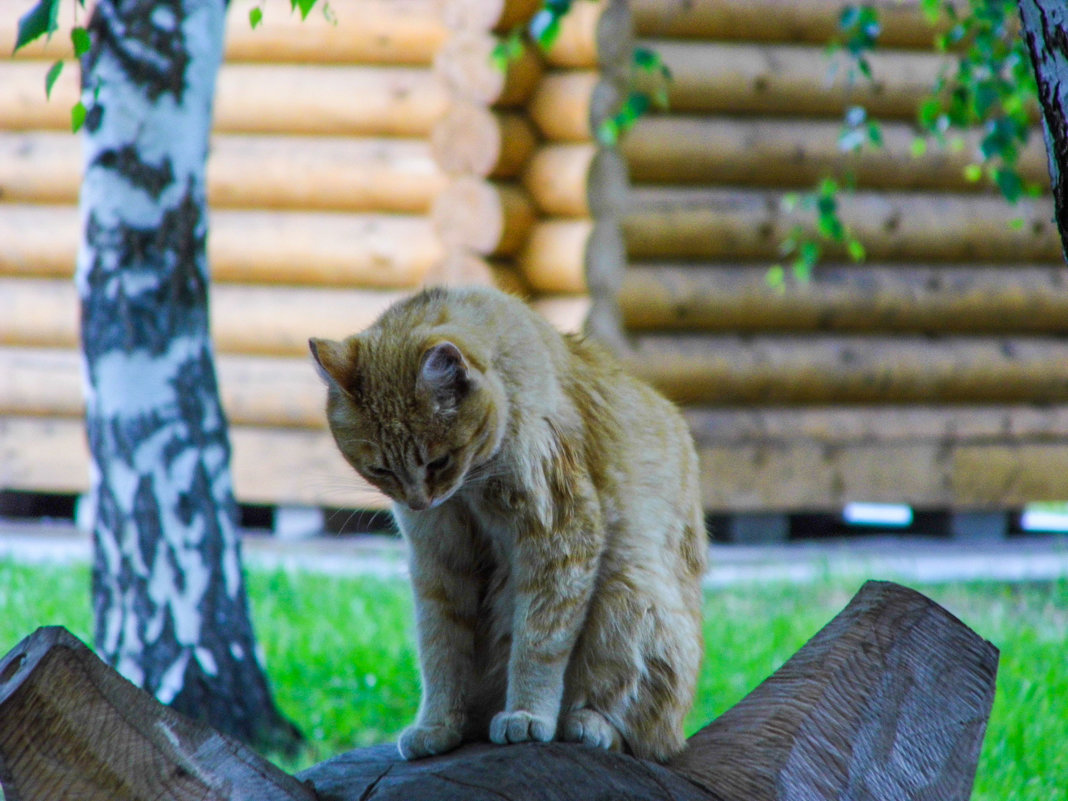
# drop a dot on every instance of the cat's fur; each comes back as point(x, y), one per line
point(550, 503)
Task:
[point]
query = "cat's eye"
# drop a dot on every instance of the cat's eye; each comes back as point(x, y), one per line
point(440, 463)
point(380, 472)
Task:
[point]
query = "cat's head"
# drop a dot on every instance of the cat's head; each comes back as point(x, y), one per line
point(413, 418)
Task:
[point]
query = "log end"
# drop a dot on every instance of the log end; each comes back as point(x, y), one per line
point(889, 700)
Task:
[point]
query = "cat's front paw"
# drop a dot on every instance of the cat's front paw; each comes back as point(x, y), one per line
point(521, 727)
point(420, 741)
point(590, 728)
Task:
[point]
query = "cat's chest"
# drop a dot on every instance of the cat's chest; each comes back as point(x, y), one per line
point(497, 507)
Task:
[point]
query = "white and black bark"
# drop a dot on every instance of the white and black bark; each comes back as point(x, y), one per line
point(1045, 29)
point(169, 600)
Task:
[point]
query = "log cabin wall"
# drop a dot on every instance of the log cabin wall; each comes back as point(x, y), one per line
point(935, 373)
point(351, 163)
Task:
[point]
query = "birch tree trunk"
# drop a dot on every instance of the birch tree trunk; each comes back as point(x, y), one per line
point(1045, 29)
point(169, 599)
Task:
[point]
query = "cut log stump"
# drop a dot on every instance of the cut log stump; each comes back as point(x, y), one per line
point(889, 700)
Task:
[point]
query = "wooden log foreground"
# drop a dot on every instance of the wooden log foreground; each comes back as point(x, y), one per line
point(889, 700)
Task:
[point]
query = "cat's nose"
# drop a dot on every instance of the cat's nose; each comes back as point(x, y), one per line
point(418, 500)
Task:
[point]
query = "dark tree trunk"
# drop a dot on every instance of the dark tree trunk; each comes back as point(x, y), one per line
point(168, 592)
point(1045, 29)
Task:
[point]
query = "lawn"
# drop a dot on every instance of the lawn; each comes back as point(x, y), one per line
point(339, 652)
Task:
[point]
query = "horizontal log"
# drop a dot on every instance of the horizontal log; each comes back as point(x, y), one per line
point(998, 472)
point(837, 426)
point(324, 100)
point(568, 105)
point(492, 219)
point(554, 256)
point(598, 33)
point(867, 298)
point(799, 152)
point(902, 23)
point(805, 476)
point(567, 313)
point(725, 369)
point(725, 224)
point(365, 250)
point(245, 319)
point(577, 180)
point(733, 78)
point(474, 140)
point(256, 390)
point(249, 171)
point(362, 32)
point(488, 15)
point(269, 465)
point(466, 66)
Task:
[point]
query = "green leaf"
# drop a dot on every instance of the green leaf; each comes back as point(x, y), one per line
point(77, 116)
point(1009, 183)
point(875, 134)
point(50, 78)
point(38, 21)
point(305, 7)
point(973, 173)
point(932, 10)
point(79, 37)
point(608, 132)
point(856, 249)
point(646, 59)
point(255, 16)
point(1016, 223)
point(544, 28)
point(776, 278)
point(918, 147)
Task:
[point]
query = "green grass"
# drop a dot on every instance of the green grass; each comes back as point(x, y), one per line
point(340, 655)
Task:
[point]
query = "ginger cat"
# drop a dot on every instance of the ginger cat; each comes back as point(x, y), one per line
point(550, 503)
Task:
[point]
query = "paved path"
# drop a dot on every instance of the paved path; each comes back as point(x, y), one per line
point(924, 560)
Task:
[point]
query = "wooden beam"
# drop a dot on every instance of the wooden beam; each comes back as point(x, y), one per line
point(262, 98)
point(889, 700)
point(254, 171)
point(598, 33)
point(472, 139)
point(868, 298)
point(577, 180)
point(902, 24)
point(798, 152)
point(487, 15)
point(364, 32)
point(96, 737)
point(726, 224)
point(791, 80)
point(784, 369)
point(569, 105)
point(488, 218)
point(372, 251)
point(466, 67)
point(269, 465)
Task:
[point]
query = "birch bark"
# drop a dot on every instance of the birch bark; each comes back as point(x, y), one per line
point(169, 600)
point(1045, 29)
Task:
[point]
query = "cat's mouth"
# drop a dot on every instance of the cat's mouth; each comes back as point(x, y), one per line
point(423, 503)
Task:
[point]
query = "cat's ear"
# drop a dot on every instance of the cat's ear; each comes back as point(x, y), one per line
point(336, 362)
point(445, 370)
